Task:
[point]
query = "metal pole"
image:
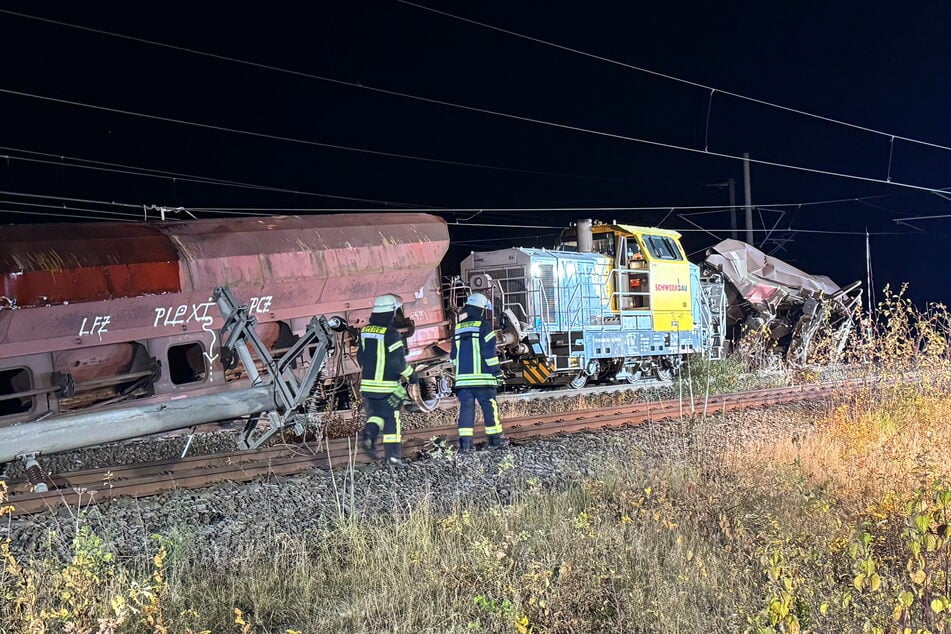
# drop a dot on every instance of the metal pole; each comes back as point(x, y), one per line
point(731, 182)
point(868, 269)
point(74, 431)
point(749, 198)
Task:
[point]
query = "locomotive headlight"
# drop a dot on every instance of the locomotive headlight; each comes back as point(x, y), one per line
point(535, 270)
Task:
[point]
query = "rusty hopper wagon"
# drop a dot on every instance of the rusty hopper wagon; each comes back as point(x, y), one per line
point(111, 331)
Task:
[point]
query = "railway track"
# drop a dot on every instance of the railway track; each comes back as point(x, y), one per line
point(83, 488)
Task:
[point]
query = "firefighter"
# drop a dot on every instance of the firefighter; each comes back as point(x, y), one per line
point(477, 372)
point(384, 375)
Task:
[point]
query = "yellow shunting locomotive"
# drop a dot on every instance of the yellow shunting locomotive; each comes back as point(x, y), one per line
point(612, 302)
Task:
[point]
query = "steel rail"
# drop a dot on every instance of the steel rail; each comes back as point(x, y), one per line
point(83, 488)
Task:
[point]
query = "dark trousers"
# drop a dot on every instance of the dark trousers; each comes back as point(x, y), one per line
point(490, 410)
point(382, 415)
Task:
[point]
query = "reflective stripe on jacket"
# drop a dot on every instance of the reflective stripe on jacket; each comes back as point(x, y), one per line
point(382, 359)
point(474, 354)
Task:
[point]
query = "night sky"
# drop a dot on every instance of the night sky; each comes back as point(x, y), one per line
point(878, 65)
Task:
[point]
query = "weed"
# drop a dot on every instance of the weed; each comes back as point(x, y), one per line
point(507, 463)
point(438, 448)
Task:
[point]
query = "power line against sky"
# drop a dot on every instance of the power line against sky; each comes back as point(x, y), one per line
point(486, 111)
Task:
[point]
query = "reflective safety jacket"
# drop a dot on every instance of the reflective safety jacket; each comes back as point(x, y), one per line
point(473, 351)
point(382, 357)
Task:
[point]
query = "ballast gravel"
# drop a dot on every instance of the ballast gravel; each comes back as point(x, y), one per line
point(221, 520)
point(215, 438)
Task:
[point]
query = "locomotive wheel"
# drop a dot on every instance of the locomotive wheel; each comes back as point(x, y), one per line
point(635, 376)
point(663, 374)
point(579, 381)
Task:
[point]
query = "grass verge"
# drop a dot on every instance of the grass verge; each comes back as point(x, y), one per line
point(841, 526)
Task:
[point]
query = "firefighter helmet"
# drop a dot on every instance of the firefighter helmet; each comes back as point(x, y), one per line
point(387, 303)
point(479, 301)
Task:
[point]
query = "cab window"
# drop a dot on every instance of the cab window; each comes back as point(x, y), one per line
point(603, 243)
point(662, 247)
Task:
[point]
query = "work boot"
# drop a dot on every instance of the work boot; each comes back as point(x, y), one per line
point(368, 443)
point(465, 445)
point(394, 453)
point(498, 441)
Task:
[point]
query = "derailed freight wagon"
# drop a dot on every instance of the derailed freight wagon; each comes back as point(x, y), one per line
point(97, 317)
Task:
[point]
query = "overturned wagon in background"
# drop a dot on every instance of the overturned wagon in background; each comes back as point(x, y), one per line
point(791, 306)
point(98, 316)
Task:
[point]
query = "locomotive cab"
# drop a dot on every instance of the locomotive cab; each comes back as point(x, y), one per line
point(650, 271)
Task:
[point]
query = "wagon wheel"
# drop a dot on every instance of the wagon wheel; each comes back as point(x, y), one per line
point(425, 395)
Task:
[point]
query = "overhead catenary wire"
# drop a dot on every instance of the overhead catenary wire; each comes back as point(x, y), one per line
point(57, 215)
point(127, 205)
point(109, 215)
point(813, 231)
point(506, 239)
point(699, 230)
point(103, 212)
point(354, 84)
point(874, 206)
point(712, 90)
point(687, 219)
point(681, 80)
point(135, 170)
point(498, 226)
point(713, 231)
point(902, 220)
point(892, 211)
point(173, 177)
point(641, 69)
point(67, 198)
point(580, 209)
point(562, 126)
point(337, 147)
point(497, 212)
point(452, 224)
point(361, 86)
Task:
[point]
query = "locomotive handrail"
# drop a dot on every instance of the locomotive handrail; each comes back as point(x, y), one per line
point(545, 323)
point(618, 295)
point(579, 314)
